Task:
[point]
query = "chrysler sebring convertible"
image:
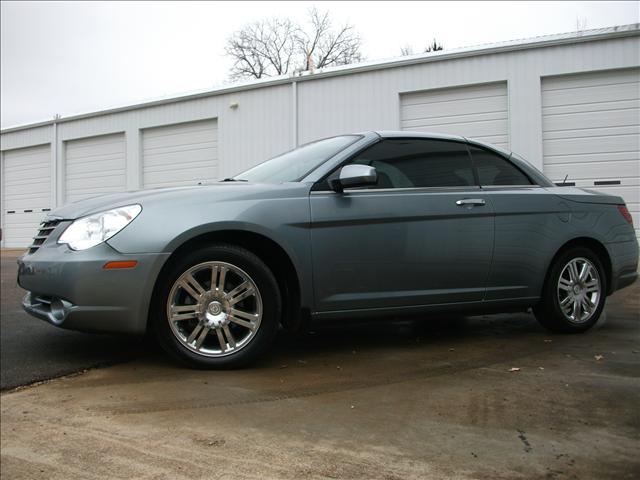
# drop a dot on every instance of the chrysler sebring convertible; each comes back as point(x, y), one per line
point(378, 224)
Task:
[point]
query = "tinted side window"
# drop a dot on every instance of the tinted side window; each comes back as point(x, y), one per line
point(495, 170)
point(409, 163)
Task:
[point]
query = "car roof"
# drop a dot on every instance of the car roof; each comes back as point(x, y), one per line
point(439, 136)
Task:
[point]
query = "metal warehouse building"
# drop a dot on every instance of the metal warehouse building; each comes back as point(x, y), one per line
point(569, 103)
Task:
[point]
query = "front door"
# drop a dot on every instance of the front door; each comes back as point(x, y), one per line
point(422, 236)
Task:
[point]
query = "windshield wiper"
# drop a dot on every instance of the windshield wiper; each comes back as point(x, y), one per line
point(231, 179)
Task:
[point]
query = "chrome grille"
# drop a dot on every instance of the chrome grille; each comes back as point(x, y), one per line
point(44, 231)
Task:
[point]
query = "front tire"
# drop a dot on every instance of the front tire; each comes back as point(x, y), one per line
point(575, 292)
point(217, 307)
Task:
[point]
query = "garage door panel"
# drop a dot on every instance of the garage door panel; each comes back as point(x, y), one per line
point(27, 176)
point(186, 176)
point(170, 167)
point(631, 193)
point(591, 107)
point(183, 139)
point(95, 147)
point(603, 93)
point(599, 144)
point(591, 119)
point(600, 170)
point(95, 166)
point(476, 111)
point(431, 110)
point(590, 157)
point(20, 228)
point(26, 185)
point(591, 131)
point(178, 128)
point(105, 179)
point(182, 154)
point(87, 169)
point(456, 119)
point(589, 79)
point(28, 189)
point(454, 94)
point(173, 155)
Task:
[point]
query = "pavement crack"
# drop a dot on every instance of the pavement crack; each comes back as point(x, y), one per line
point(524, 440)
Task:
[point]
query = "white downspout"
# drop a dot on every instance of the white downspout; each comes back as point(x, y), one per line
point(294, 102)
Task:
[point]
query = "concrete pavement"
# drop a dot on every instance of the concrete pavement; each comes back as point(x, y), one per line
point(431, 400)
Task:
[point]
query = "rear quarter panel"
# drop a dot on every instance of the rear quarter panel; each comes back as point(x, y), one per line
point(533, 224)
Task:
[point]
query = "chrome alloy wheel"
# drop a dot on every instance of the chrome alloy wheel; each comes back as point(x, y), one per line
point(214, 309)
point(579, 290)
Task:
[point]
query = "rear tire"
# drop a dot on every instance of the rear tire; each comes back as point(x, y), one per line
point(574, 294)
point(217, 307)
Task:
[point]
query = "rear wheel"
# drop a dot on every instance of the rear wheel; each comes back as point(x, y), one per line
point(574, 295)
point(218, 307)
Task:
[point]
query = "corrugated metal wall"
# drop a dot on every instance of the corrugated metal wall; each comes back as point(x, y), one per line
point(258, 123)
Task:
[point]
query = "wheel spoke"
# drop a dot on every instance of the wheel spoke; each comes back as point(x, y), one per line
point(230, 339)
point(566, 301)
point(221, 279)
point(586, 306)
point(201, 338)
point(195, 284)
point(191, 286)
point(584, 272)
point(573, 271)
point(239, 293)
point(592, 287)
point(183, 312)
point(564, 284)
point(194, 334)
point(221, 340)
point(576, 310)
point(242, 314)
point(243, 323)
point(590, 303)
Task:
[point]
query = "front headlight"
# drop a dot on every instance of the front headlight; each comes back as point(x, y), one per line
point(89, 231)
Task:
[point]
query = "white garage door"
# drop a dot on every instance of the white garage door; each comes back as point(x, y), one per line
point(478, 111)
point(26, 193)
point(591, 132)
point(94, 166)
point(182, 154)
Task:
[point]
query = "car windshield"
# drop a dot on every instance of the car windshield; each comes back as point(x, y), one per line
point(296, 164)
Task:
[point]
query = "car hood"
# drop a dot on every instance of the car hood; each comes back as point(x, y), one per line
point(584, 195)
point(222, 191)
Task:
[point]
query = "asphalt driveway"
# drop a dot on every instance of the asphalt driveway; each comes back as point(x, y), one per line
point(32, 350)
point(492, 397)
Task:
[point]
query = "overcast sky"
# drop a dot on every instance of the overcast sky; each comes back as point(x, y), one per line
point(74, 57)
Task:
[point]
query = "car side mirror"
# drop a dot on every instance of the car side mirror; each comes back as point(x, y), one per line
point(354, 176)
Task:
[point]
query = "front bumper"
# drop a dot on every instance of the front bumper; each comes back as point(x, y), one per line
point(71, 289)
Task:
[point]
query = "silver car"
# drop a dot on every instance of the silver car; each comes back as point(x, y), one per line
point(364, 225)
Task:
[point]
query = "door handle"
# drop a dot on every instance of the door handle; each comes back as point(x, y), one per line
point(470, 202)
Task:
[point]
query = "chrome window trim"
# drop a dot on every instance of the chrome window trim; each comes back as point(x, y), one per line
point(462, 188)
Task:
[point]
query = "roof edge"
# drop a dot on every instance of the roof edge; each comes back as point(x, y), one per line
point(618, 31)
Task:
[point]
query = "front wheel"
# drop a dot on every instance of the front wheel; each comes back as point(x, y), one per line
point(574, 294)
point(217, 307)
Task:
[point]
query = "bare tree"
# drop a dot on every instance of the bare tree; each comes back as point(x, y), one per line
point(324, 46)
point(406, 50)
point(433, 47)
point(279, 46)
point(262, 49)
